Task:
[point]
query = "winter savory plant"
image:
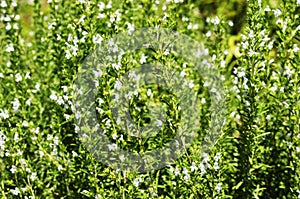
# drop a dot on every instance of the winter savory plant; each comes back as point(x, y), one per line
point(141, 103)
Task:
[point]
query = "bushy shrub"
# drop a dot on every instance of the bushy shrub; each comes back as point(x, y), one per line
point(255, 45)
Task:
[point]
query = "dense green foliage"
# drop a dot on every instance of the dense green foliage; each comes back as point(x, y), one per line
point(256, 47)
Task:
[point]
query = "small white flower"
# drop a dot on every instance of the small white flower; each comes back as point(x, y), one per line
point(219, 187)
point(208, 34)
point(8, 26)
point(112, 147)
point(267, 9)
point(202, 168)
point(185, 171)
point(33, 176)
point(241, 74)
point(186, 178)
point(13, 169)
point(176, 172)
point(130, 28)
point(25, 123)
point(193, 167)
point(143, 59)
point(16, 105)
point(277, 12)
point(68, 54)
point(191, 84)
point(116, 66)
point(53, 96)
point(4, 114)
point(159, 123)
point(218, 156)
point(216, 166)
point(15, 191)
point(137, 181)
point(296, 48)
point(273, 88)
point(122, 158)
point(215, 20)
point(118, 84)
point(10, 48)
point(108, 5)
point(97, 39)
point(149, 92)
point(3, 4)
point(18, 77)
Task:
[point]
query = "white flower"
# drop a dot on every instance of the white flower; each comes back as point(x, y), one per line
point(267, 9)
point(277, 12)
point(202, 168)
point(177, 172)
point(116, 66)
point(167, 51)
point(10, 48)
point(130, 28)
point(296, 48)
point(27, 75)
point(16, 105)
point(159, 123)
point(149, 92)
point(68, 54)
point(3, 4)
point(108, 5)
point(18, 77)
point(241, 74)
point(182, 73)
point(53, 96)
point(216, 166)
point(219, 187)
point(59, 167)
point(205, 158)
point(8, 26)
point(186, 178)
point(122, 158)
point(51, 25)
point(259, 3)
point(208, 34)
point(273, 88)
point(15, 191)
point(118, 84)
point(251, 53)
point(97, 39)
point(13, 169)
point(193, 167)
point(137, 181)
point(191, 84)
point(101, 6)
point(185, 171)
point(218, 156)
point(143, 59)
point(33, 176)
point(215, 20)
point(25, 123)
point(112, 147)
point(4, 114)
